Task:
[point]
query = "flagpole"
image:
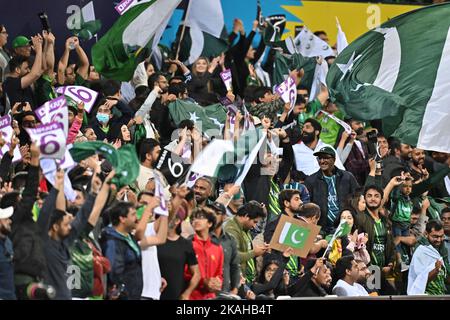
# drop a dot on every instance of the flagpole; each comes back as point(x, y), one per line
point(183, 29)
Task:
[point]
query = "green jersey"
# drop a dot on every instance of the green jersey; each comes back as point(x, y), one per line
point(437, 286)
point(379, 244)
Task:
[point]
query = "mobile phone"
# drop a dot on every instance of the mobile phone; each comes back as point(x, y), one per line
point(372, 144)
point(44, 21)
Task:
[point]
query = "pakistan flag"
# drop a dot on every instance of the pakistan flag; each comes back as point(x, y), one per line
point(294, 236)
point(400, 72)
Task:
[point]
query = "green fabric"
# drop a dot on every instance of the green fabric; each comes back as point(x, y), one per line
point(274, 205)
point(333, 202)
point(83, 257)
point(379, 241)
point(79, 81)
point(437, 286)
point(115, 59)
point(312, 108)
point(330, 129)
point(235, 230)
point(209, 118)
point(124, 160)
point(212, 46)
point(132, 244)
point(401, 207)
point(286, 63)
point(353, 83)
point(44, 90)
point(250, 271)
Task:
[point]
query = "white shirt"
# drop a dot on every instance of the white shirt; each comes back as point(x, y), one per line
point(344, 289)
point(306, 161)
point(150, 268)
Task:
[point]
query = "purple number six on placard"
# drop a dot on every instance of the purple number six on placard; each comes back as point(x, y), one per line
point(44, 144)
point(79, 92)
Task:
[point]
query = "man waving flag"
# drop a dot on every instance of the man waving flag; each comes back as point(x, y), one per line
point(399, 72)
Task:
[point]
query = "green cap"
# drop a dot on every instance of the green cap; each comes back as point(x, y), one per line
point(326, 150)
point(20, 41)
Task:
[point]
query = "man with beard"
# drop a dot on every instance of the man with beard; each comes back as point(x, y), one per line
point(380, 244)
point(247, 217)
point(149, 153)
point(347, 271)
point(417, 165)
point(59, 231)
point(397, 161)
point(202, 191)
point(315, 282)
point(7, 290)
point(290, 202)
point(329, 187)
point(125, 281)
point(159, 112)
point(310, 142)
point(428, 273)
point(353, 151)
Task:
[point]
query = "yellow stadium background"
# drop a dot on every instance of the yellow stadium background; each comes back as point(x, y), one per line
point(355, 18)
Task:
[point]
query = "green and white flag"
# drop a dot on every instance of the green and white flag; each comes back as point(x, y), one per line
point(342, 230)
point(294, 236)
point(83, 24)
point(208, 161)
point(117, 54)
point(205, 32)
point(310, 45)
point(399, 72)
point(272, 38)
point(210, 119)
point(341, 42)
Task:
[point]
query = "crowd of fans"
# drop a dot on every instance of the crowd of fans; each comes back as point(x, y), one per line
point(109, 244)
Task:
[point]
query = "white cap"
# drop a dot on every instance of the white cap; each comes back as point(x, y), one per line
point(6, 213)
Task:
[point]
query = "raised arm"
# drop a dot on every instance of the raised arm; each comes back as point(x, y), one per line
point(83, 69)
point(101, 199)
point(146, 215)
point(395, 182)
point(63, 62)
point(49, 54)
point(36, 70)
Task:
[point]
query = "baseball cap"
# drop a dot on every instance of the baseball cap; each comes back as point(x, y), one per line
point(20, 41)
point(218, 207)
point(326, 150)
point(6, 212)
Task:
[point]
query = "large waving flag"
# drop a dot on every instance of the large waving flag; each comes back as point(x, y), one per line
point(212, 118)
point(342, 42)
point(205, 31)
point(399, 72)
point(117, 54)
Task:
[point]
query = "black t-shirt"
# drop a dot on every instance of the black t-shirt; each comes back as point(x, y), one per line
point(13, 88)
point(160, 117)
point(172, 257)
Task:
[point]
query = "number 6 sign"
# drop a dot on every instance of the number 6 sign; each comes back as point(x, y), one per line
point(55, 111)
point(80, 94)
point(288, 91)
point(50, 139)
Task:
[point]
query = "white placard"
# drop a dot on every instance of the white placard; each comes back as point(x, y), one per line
point(80, 94)
point(50, 139)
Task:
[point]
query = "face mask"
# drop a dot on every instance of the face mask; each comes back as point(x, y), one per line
point(308, 137)
point(140, 211)
point(102, 118)
point(301, 117)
